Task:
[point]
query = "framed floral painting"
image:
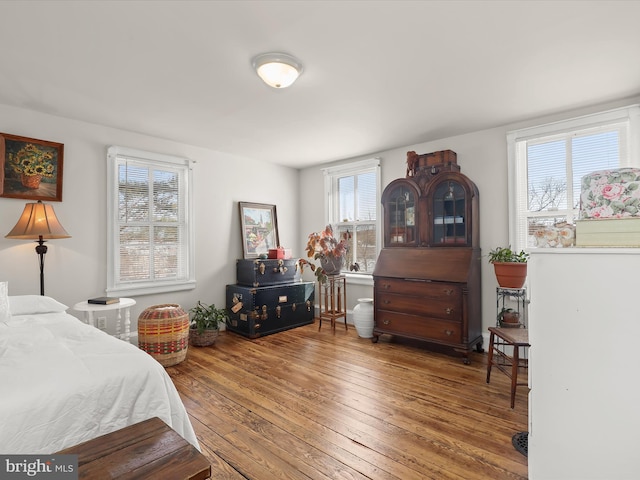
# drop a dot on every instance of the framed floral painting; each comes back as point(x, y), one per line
point(259, 226)
point(30, 168)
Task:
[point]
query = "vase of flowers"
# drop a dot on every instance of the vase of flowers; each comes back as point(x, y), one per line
point(32, 163)
point(330, 251)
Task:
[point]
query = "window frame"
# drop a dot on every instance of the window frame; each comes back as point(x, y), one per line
point(332, 205)
point(517, 158)
point(185, 167)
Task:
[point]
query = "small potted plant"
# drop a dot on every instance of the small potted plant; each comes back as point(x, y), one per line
point(509, 318)
point(510, 266)
point(329, 250)
point(205, 324)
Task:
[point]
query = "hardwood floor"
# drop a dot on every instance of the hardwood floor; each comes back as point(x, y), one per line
point(309, 404)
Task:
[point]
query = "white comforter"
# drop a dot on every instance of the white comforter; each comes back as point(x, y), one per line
point(63, 382)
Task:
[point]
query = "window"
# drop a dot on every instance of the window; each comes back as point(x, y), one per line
point(353, 204)
point(547, 163)
point(150, 242)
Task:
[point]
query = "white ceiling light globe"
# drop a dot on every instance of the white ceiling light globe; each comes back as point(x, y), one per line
point(278, 70)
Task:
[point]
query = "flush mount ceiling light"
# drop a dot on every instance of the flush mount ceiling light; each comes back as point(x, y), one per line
point(278, 70)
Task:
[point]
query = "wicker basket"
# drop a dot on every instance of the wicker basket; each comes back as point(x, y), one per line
point(163, 332)
point(204, 339)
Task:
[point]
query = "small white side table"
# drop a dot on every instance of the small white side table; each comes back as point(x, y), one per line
point(90, 309)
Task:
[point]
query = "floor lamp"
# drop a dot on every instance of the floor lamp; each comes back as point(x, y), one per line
point(38, 222)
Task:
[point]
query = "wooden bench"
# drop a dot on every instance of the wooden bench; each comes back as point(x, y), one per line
point(149, 449)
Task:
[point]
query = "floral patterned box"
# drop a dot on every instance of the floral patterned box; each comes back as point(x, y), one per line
point(610, 194)
point(561, 235)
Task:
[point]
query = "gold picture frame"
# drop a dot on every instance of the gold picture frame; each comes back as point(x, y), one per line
point(30, 169)
point(259, 224)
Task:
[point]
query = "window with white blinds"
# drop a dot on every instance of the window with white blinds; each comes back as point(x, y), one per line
point(150, 240)
point(353, 202)
point(547, 164)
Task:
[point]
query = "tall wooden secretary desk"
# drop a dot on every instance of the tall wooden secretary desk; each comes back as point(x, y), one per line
point(427, 277)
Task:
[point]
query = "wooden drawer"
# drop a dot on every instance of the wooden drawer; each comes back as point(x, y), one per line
point(446, 308)
point(432, 329)
point(423, 288)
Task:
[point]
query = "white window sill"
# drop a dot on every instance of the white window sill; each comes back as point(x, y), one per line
point(359, 279)
point(150, 289)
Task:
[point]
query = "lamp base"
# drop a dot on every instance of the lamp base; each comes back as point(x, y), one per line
point(41, 249)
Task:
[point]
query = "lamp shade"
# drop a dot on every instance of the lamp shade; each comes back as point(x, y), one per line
point(38, 220)
point(278, 70)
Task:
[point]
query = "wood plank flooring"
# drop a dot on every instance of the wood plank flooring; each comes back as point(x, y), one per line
point(309, 404)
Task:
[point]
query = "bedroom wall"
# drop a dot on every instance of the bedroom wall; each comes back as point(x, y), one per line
point(482, 156)
point(75, 268)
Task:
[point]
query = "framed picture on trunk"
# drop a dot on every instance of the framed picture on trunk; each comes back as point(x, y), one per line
point(259, 226)
point(30, 168)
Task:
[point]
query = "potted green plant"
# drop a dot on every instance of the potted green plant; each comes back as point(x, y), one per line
point(510, 266)
point(205, 324)
point(509, 318)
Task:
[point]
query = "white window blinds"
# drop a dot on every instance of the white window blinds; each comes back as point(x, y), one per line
point(548, 162)
point(151, 230)
point(353, 202)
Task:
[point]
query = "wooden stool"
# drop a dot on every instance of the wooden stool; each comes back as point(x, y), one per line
point(148, 449)
point(509, 365)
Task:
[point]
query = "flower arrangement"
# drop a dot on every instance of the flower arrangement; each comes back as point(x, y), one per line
point(328, 249)
point(555, 236)
point(32, 160)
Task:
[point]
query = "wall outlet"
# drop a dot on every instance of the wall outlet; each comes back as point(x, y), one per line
point(102, 323)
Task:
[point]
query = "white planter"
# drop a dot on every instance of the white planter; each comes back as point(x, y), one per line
point(363, 317)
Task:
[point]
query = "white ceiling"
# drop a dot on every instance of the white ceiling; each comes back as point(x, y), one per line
point(378, 74)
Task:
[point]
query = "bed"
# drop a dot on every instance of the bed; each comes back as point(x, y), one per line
point(63, 382)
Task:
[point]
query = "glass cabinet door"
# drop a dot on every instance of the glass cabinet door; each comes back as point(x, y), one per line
point(401, 213)
point(449, 214)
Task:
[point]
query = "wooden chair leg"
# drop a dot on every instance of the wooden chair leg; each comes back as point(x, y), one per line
point(514, 374)
point(490, 356)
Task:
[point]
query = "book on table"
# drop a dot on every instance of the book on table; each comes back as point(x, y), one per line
point(103, 300)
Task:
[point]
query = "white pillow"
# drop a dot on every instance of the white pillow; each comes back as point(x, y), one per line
point(5, 313)
point(34, 304)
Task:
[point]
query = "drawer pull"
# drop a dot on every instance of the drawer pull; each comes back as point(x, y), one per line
point(386, 286)
point(448, 310)
point(386, 302)
point(278, 311)
point(449, 332)
point(386, 322)
point(448, 291)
